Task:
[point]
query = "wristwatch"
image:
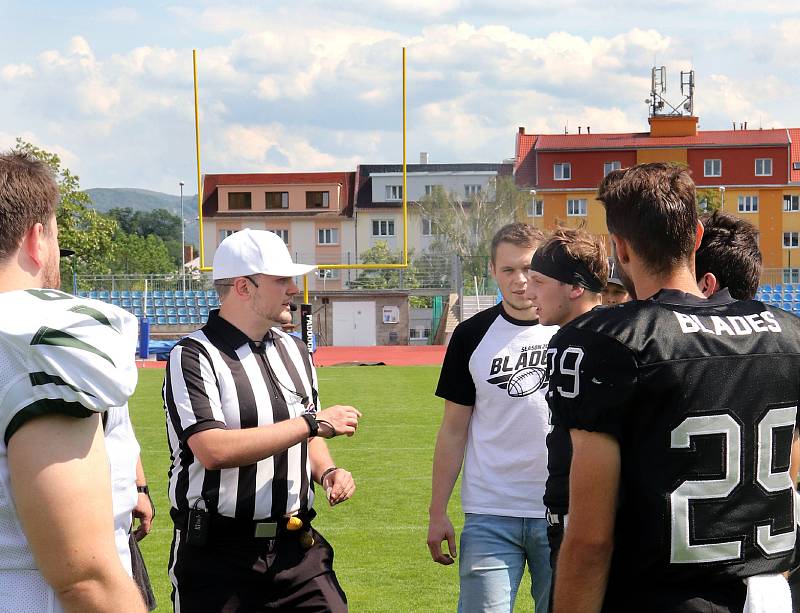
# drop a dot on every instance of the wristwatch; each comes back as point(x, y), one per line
point(313, 426)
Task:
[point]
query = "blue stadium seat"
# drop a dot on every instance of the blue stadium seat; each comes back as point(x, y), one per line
point(766, 288)
point(788, 296)
point(158, 302)
point(169, 301)
point(160, 310)
point(180, 302)
point(172, 320)
point(171, 310)
point(183, 320)
point(183, 311)
point(191, 302)
point(157, 293)
point(211, 293)
point(788, 287)
point(201, 300)
point(104, 295)
point(776, 296)
point(161, 320)
point(125, 294)
point(137, 310)
point(114, 295)
point(786, 306)
point(92, 294)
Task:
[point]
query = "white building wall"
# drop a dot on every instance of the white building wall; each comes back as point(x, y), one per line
point(416, 182)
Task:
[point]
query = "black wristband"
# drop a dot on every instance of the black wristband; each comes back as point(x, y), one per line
point(327, 472)
point(313, 426)
point(143, 489)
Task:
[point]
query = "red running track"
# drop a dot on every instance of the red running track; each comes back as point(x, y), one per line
point(394, 355)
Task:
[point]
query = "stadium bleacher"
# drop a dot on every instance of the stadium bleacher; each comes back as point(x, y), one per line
point(164, 308)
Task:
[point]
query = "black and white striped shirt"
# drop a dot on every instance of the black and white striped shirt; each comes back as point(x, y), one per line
point(218, 378)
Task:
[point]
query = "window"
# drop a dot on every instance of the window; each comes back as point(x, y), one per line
point(283, 233)
point(791, 204)
point(791, 275)
point(562, 171)
point(223, 234)
point(277, 200)
point(763, 167)
point(428, 227)
point(609, 166)
point(419, 333)
point(328, 236)
point(382, 227)
point(394, 192)
point(317, 200)
point(535, 208)
point(712, 168)
point(748, 204)
point(472, 190)
point(327, 273)
point(576, 208)
point(791, 240)
point(431, 189)
point(239, 201)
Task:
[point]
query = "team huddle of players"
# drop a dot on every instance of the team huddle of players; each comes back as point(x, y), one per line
point(672, 450)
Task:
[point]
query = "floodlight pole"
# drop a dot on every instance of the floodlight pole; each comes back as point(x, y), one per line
point(183, 244)
point(722, 198)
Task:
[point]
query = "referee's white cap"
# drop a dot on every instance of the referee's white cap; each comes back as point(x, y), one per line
point(250, 252)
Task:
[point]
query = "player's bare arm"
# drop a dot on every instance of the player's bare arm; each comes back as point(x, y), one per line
point(219, 448)
point(585, 555)
point(58, 464)
point(447, 460)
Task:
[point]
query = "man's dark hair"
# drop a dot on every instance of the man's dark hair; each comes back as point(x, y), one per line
point(580, 245)
point(652, 206)
point(28, 195)
point(519, 234)
point(730, 252)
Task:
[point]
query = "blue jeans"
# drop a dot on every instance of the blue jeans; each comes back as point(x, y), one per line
point(492, 560)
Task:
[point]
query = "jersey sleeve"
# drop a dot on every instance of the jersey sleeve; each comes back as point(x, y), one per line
point(592, 383)
point(455, 380)
point(191, 392)
point(78, 359)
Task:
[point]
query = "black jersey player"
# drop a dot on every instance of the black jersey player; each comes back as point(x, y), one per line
point(681, 411)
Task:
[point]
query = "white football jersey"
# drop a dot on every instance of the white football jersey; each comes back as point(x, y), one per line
point(58, 354)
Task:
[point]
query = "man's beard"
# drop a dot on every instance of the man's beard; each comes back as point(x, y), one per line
point(51, 274)
point(627, 282)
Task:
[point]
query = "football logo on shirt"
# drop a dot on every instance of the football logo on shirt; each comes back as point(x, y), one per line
point(523, 377)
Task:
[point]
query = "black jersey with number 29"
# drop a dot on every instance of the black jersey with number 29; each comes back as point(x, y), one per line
point(702, 396)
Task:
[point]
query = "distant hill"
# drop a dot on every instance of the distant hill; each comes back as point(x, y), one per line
point(106, 198)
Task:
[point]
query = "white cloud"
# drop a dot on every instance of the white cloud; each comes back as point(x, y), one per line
point(10, 72)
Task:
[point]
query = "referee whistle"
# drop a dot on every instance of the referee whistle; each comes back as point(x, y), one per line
point(294, 523)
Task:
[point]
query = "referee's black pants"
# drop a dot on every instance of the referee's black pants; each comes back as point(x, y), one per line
point(232, 574)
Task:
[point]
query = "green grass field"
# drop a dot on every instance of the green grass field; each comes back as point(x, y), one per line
point(379, 536)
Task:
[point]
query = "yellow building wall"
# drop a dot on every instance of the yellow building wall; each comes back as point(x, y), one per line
point(770, 226)
point(648, 156)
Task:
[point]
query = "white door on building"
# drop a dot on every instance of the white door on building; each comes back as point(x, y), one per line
point(353, 324)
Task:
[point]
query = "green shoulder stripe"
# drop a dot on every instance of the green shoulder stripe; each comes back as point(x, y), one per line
point(43, 378)
point(82, 309)
point(45, 406)
point(59, 338)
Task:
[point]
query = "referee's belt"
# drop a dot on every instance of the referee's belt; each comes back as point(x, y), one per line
point(231, 527)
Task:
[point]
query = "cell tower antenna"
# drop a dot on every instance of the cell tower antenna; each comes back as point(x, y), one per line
point(659, 105)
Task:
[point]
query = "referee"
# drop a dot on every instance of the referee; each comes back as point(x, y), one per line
point(245, 432)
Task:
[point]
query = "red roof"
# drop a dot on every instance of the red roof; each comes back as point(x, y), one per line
point(525, 164)
point(643, 140)
point(211, 182)
point(794, 155)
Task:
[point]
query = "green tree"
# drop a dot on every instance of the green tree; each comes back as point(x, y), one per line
point(708, 200)
point(159, 222)
point(136, 254)
point(466, 228)
point(80, 227)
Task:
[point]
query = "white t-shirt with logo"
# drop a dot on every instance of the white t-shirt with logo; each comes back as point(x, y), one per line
point(498, 365)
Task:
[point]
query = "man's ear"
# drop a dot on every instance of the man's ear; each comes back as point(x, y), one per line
point(698, 238)
point(708, 284)
point(34, 244)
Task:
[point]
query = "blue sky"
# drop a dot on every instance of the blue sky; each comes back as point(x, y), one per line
point(315, 85)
